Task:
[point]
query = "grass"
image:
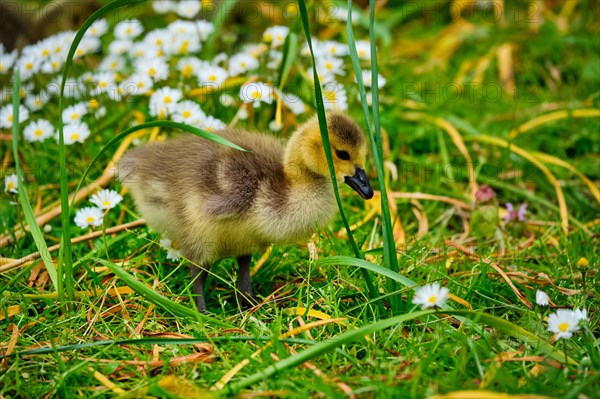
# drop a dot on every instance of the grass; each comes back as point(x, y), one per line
point(128, 327)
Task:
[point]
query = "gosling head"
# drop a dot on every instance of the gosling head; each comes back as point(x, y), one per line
point(348, 147)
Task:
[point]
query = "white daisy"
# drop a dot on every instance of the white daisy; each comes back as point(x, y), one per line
point(335, 97)
point(189, 65)
point(11, 184)
point(112, 63)
point(35, 102)
point(164, 6)
point(106, 199)
point(88, 45)
point(128, 29)
point(293, 103)
point(204, 29)
point(212, 76)
point(105, 82)
point(39, 130)
point(89, 216)
point(212, 124)
point(28, 66)
point(156, 68)
point(255, 92)
point(172, 253)
point(363, 49)
point(581, 315)
point(163, 101)
point(431, 295)
point(98, 28)
point(7, 60)
point(241, 63)
point(541, 298)
point(137, 84)
point(275, 35)
point(74, 113)
point(188, 112)
point(120, 47)
point(7, 117)
point(563, 323)
point(188, 9)
point(367, 79)
point(330, 65)
point(333, 48)
point(76, 132)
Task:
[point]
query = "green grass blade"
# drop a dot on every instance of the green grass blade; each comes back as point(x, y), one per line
point(225, 9)
point(36, 232)
point(389, 245)
point(321, 348)
point(375, 268)
point(156, 298)
point(325, 137)
point(65, 260)
point(290, 51)
point(147, 125)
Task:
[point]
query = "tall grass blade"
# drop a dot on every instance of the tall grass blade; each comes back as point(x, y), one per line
point(156, 298)
point(290, 51)
point(373, 267)
point(36, 232)
point(389, 245)
point(325, 138)
point(321, 348)
point(65, 260)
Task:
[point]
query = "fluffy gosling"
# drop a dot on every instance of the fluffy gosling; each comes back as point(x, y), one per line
point(217, 202)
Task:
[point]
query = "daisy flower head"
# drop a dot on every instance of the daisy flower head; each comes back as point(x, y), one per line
point(35, 102)
point(111, 63)
point(137, 84)
point(363, 49)
point(28, 65)
point(188, 9)
point(241, 63)
point(98, 28)
point(330, 65)
point(7, 116)
point(163, 101)
point(89, 216)
point(563, 323)
point(88, 45)
point(256, 92)
point(212, 76)
point(334, 48)
point(204, 29)
point(335, 97)
point(104, 82)
point(11, 184)
point(76, 132)
point(212, 124)
point(120, 47)
point(39, 130)
point(106, 199)
point(7, 60)
point(74, 113)
point(275, 35)
point(541, 298)
point(164, 6)
point(172, 253)
point(367, 79)
point(188, 112)
point(293, 103)
point(156, 68)
point(431, 295)
point(128, 29)
point(189, 65)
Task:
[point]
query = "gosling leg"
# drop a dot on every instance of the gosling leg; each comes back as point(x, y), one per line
point(199, 275)
point(246, 299)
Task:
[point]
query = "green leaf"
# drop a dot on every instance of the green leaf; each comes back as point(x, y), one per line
point(36, 232)
point(290, 51)
point(156, 298)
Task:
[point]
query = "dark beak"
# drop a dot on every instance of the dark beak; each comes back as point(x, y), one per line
point(360, 183)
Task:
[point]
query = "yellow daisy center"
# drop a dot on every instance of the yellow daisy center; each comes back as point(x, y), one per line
point(29, 65)
point(38, 132)
point(103, 84)
point(168, 100)
point(75, 136)
point(268, 37)
point(10, 118)
point(187, 71)
point(329, 65)
point(186, 114)
point(255, 95)
point(75, 116)
point(10, 186)
point(563, 327)
point(45, 53)
point(152, 72)
point(212, 78)
point(106, 203)
point(362, 53)
point(90, 219)
point(432, 299)
point(330, 95)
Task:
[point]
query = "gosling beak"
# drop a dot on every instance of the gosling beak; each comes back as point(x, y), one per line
point(360, 183)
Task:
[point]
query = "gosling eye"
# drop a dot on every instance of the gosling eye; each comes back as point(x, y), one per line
point(343, 155)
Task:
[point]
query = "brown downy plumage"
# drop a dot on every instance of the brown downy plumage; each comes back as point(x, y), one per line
point(217, 202)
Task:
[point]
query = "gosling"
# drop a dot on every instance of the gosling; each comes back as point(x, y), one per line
point(217, 202)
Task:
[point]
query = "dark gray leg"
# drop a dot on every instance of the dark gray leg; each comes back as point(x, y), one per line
point(246, 299)
point(199, 276)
